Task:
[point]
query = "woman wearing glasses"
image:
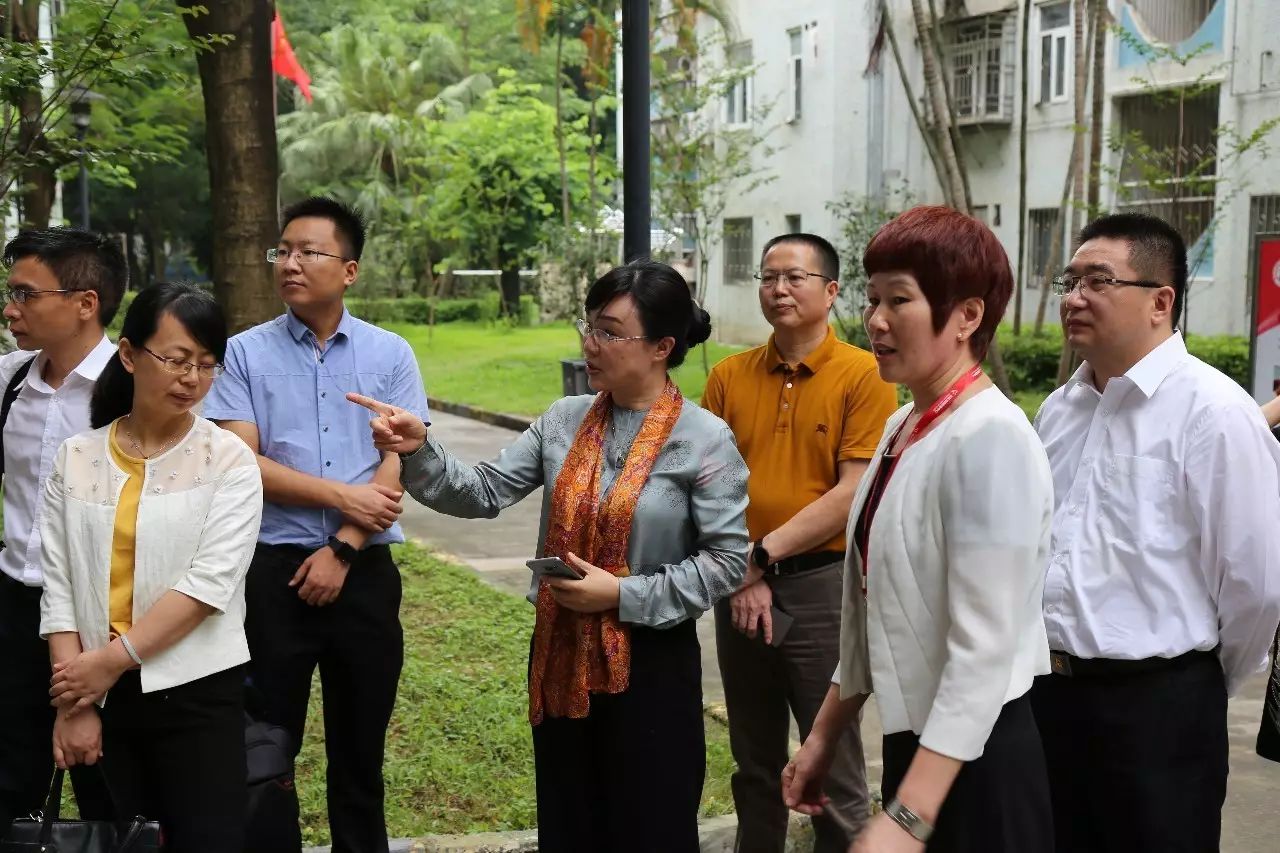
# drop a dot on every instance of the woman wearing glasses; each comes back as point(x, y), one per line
point(150, 521)
point(948, 538)
point(645, 499)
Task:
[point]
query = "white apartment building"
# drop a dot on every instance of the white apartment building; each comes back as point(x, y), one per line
point(843, 124)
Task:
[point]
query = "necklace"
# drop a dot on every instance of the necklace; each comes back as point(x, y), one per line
point(167, 445)
point(620, 451)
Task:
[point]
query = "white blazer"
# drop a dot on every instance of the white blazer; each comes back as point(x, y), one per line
point(951, 627)
point(198, 521)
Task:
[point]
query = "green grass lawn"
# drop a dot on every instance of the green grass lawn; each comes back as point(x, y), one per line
point(515, 369)
point(459, 755)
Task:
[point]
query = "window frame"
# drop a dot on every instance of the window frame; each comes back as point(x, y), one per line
point(1057, 41)
point(739, 260)
point(741, 94)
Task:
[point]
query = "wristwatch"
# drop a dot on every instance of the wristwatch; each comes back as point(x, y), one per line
point(760, 555)
point(342, 550)
point(904, 817)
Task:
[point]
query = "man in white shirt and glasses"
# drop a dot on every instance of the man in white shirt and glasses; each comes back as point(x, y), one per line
point(64, 286)
point(1163, 588)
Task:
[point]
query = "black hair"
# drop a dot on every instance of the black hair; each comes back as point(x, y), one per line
point(1157, 251)
point(197, 311)
point(80, 260)
point(663, 302)
point(347, 221)
point(828, 258)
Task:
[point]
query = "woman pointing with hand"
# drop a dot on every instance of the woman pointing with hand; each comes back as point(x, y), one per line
point(646, 498)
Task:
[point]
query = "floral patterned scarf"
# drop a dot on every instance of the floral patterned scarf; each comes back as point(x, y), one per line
point(577, 654)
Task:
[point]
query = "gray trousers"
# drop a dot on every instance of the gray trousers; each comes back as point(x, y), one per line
point(763, 688)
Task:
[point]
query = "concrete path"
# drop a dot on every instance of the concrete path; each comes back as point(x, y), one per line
point(497, 549)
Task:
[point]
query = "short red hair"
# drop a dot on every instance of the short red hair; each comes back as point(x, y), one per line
point(953, 257)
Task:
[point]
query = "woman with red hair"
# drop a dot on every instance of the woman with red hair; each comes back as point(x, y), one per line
point(944, 573)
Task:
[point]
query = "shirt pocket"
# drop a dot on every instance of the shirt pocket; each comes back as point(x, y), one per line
point(1140, 500)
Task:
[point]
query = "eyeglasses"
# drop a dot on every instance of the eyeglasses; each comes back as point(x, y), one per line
point(22, 294)
point(1096, 282)
point(178, 367)
point(305, 256)
point(793, 278)
point(588, 331)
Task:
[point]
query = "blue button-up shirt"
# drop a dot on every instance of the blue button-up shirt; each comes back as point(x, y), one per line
point(294, 389)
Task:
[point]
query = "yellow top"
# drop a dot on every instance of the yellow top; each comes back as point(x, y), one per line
point(125, 538)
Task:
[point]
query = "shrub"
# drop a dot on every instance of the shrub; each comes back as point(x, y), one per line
point(417, 310)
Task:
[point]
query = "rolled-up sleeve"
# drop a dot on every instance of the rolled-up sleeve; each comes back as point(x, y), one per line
point(227, 539)
point(438, 479)
point(993, 528)
point(57, 609)
point(1234, 485)
point(717, 507)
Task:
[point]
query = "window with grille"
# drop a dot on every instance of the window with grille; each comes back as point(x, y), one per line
point(1041, 224)
point(739, 257)
point(793, 223)
point(981, 52)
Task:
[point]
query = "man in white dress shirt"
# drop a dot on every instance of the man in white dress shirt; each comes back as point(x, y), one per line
point(63, 289)
point(1163, 588)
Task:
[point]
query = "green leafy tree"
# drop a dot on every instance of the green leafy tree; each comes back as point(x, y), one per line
point(496, 180)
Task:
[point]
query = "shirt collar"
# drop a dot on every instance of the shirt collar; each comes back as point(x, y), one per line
point(1149, 372)
point(299, 329)
point(812, 362)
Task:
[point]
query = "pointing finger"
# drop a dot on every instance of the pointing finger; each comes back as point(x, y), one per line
point(378, 408)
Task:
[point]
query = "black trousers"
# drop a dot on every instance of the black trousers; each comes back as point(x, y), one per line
point(26, 717)
point(1137, 763)
point(358, 644)
point(628, 777)
point(1000, 801)
point(177, 756)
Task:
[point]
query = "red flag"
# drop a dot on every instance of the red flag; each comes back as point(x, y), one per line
point(283, 60)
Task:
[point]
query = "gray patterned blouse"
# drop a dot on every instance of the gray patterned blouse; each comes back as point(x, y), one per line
point(688, 537)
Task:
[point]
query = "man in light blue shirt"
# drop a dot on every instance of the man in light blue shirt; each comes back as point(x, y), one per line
point(322, 589)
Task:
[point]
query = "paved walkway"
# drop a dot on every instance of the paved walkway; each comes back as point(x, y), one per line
point(497, 549)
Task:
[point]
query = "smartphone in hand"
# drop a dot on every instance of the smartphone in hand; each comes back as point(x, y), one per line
point(782, 622)
point(554, 567)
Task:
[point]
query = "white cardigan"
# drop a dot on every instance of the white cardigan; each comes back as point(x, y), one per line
point(952, 627)
point(198, 518)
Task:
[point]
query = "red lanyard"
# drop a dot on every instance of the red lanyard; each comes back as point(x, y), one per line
point(935, 411)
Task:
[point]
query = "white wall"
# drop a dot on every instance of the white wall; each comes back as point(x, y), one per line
point(830, 150)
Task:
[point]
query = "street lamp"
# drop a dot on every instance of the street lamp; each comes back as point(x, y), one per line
point(81, 108)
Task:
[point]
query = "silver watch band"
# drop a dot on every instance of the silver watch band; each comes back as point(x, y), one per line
point(912, 823)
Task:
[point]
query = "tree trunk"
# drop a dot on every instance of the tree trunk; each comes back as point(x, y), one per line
point(1100, 18)
point(240, 141)
point(1023, 69)
point(39, 181)
point(510, 286)
point(1055, 245)
point(935, 156)
point(564, 168)
point(941, 115)
point(1081, 13)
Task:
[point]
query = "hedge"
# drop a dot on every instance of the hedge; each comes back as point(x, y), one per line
point(1032, 360)
point(417, 310)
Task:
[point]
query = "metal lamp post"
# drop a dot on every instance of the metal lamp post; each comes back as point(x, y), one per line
point(81, 108)
point(635, 129)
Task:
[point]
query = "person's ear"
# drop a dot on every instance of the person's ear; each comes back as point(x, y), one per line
point(88, 306)
point(127, 354)
point(1162, 306)
point(664, 348)
point(971, 313)
point(350, 271)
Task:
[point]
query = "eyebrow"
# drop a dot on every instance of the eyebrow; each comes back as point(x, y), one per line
point(608, 317)
point(1095, 266)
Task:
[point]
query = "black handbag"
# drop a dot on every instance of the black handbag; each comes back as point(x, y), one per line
point(48, 833)
point(271, 824)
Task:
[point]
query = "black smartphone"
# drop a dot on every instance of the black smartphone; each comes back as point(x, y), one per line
point(554, 567)
point(782, 622)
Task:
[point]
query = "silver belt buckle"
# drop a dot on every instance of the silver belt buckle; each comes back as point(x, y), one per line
point(1060, 663)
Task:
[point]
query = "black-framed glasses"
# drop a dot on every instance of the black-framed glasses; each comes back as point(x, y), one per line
point(1096, 282)
point(589, 331)
point(305, 256)
point(20, 295)
point(793, 278)
point(178, 367)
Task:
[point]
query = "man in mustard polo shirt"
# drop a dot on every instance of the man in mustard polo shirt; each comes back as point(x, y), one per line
point(808, 411)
